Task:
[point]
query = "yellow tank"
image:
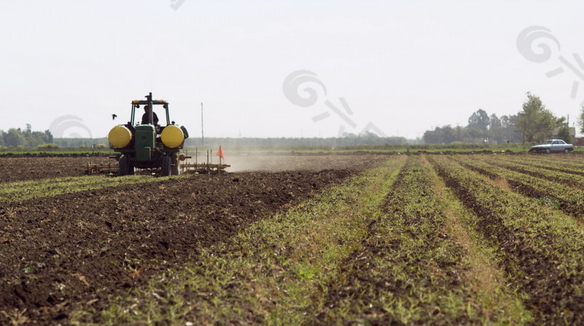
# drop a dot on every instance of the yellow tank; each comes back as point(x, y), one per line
point(172, 136)
point(119, 137)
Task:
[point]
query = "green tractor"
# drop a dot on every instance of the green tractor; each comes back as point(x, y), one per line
point(145, 144)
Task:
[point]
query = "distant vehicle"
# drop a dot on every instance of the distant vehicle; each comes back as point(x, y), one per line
point(552, 146)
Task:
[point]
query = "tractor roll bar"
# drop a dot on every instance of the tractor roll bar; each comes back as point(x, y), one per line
point(150, 102)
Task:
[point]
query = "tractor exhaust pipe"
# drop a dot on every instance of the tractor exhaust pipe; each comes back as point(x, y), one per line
point(149, 109)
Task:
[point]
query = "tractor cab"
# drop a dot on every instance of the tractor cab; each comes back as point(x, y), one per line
point(149, 116)
point(148, 143)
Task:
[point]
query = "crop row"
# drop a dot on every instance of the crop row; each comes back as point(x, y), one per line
point(576, 181)
point(558, 163)
point(576, 161)
point(540, 249)
point(412, 268)
point(548, 193)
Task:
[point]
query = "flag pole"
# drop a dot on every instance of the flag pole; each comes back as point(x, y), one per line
point(220, 154)
point(202, 132)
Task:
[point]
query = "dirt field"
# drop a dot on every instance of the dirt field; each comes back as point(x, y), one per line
point(332, 239)
point(30, 168)
point(59, 252)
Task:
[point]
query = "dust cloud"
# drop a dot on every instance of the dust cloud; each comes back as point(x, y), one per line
point(294, 162)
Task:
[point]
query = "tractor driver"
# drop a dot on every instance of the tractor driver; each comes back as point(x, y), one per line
point(145, 116)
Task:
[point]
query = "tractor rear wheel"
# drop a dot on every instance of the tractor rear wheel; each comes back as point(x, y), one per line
point(174, 162)
point(124, 166)
point(166, 166)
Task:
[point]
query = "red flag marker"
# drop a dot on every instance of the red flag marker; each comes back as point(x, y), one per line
point(220, 153)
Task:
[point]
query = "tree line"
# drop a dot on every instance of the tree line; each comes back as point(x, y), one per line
point(348, 140)
point(534, 123)
point(16, 137)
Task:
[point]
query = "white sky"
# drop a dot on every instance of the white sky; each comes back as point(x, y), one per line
point(403, 66)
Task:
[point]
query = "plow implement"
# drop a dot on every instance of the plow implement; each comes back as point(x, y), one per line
point(203, 168)
point(184, 166)
point(207, 167)
point(100, 168)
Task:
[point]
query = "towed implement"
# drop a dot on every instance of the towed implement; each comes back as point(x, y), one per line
point(145, 144)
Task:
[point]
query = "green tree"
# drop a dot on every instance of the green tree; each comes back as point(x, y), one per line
point(433, 136)
point(494, 121)
point(563, 130)
point(461, 133)
point(509, 129)
point(581, 120)
point(14, 137)
point(448, 134)
point(535, 122)
point(495, 129)
point(564, 133)
point(49, 136)
point(479, 120)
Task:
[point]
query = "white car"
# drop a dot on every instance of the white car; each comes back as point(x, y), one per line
point(552, 146)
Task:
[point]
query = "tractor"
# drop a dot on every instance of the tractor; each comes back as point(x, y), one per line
point(145, 144)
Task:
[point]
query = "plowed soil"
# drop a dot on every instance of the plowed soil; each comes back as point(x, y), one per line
point(31, 168)
point(60, 253)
